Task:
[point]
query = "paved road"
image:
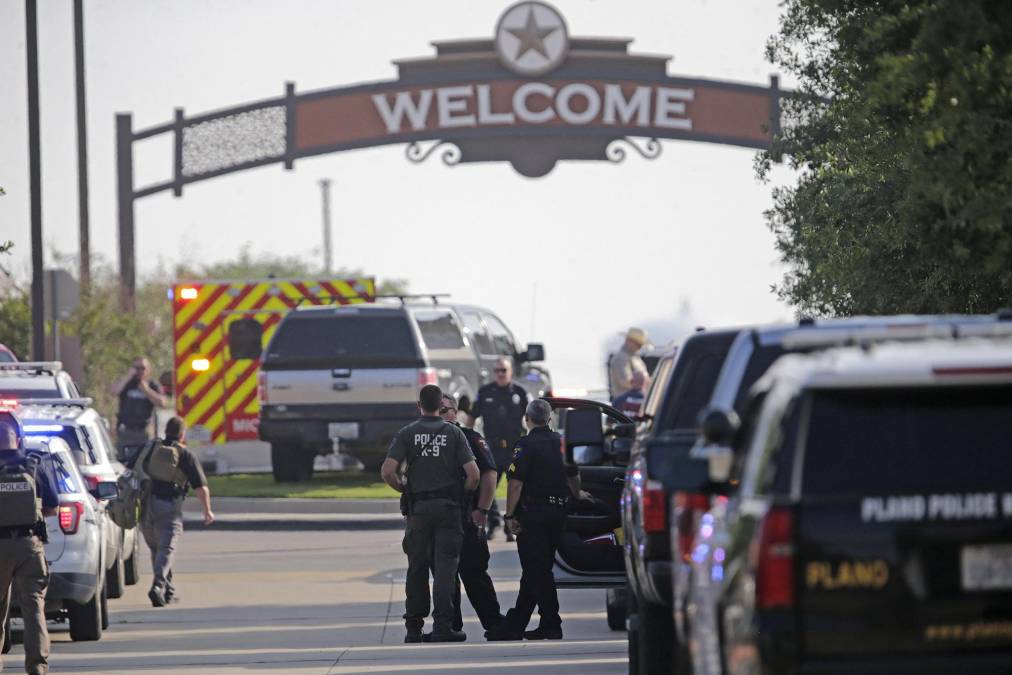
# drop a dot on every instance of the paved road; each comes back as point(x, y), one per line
point(316, 602)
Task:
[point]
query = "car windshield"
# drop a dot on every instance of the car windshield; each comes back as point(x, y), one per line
point(65, 481)
point(902, 440)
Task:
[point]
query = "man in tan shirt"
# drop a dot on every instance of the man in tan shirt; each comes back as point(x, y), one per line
point(626, 361)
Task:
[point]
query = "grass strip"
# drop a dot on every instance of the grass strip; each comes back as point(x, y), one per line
point(327, 485)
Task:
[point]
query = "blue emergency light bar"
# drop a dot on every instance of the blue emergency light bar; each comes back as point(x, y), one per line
point(43, 428)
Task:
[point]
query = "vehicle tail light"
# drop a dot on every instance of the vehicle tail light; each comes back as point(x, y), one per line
point(687, 505)
point(655, 517)
point(262, 387)
point(774, 561)
point(427, 376)
point(8, 404)
point(70, 514)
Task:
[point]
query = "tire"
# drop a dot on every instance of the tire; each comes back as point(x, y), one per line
point(132, 565)
point(86, 619)
point(303, 466)
point(616, 604)
point(655, 640)
point(105, 609)
point(279, 465)
point(633, 624)
point(115, 579)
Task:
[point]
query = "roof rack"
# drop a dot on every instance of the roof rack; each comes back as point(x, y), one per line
point(404, 297)
point(57, 402)
point(51, 367)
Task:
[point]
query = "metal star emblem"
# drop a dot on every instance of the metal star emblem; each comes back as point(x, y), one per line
point(531, 36)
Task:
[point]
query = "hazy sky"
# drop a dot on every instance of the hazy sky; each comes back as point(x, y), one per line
point(672, 243)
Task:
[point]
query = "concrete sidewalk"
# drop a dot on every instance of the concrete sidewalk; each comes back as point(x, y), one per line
point(256, 513)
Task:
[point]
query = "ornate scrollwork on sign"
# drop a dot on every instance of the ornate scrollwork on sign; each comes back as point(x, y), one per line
point(234, 140)
point(616, 152)
point(417, 153)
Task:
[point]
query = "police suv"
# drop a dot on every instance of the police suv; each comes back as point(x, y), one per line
point(83, 429)
point(75, 550)
point(35, 379)
point(871, 530)
point(351, 375)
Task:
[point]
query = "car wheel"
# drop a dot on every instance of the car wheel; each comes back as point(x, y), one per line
point(105, 609)
point(616, 607)
point(8, 642)
point(86, 619)
point(115, 581)
point(302, 465)
point(132, 565)
point(655, 642)
point(633, 626)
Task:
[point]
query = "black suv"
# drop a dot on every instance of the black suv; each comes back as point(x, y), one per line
point(682, 386)
point(872, 529)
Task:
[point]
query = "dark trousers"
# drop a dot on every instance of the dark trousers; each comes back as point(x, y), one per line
point(536, 544)
point(473, 573)
point(432, 539)
point(23, 570)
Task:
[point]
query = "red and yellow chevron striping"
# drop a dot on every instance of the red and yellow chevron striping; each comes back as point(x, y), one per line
point(216, 391)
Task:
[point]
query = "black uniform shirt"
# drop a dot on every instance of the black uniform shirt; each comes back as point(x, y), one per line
point(539, 464)
point(482, 455)
point(503, 410)
point(134, 407)
point(437, 450)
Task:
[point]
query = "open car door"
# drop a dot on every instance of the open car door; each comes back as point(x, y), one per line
point(590, 555)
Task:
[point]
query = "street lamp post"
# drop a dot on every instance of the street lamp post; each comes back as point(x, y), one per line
point(35, 180)
point(327, 249)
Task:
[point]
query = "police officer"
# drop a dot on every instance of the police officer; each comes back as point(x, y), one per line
point(536, 509)
point(626, 361)
point(138, 396)
point(501, 404)
point(28, 493)
point(434, 453)
point(172, 469)
point(474, 556)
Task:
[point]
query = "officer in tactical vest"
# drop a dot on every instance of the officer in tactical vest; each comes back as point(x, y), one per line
point(170, 470)
point(536, 497)
point(434, 452)
point(474, 555)
point(28, 493)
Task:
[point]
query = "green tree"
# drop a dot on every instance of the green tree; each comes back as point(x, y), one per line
point(15, 321)
point(901, 132)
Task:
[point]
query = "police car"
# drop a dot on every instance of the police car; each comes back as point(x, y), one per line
point(76, 550)
point(84, 431)
point(872, 528)
point(35, 379)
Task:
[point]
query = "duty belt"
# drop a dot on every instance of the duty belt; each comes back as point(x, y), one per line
point(441, 493)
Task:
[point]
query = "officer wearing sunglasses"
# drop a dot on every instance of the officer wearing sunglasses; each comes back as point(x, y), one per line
point(501, 405)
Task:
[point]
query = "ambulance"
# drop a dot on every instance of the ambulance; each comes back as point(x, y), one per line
point(220, 329)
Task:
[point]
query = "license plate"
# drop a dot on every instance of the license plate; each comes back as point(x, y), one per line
point(344, 430)
point(987, 568)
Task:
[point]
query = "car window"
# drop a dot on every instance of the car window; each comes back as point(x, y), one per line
point(90, 444)
point(65, 481)
point(439, 329)
point(658, 386)
point(99, 440)
point(349, 340)
point(501, 337)
point(477, 332)
point(761, 360)
point(909, 440)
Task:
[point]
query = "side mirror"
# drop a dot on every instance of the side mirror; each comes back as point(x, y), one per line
point(588, 455)
point(535, 352)
point(624, 430)
point(105, 490)
point(718, 426)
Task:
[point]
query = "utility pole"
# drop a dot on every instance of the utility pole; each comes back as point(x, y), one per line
point(82, 148)
point(35, 180)
point(327, 250)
